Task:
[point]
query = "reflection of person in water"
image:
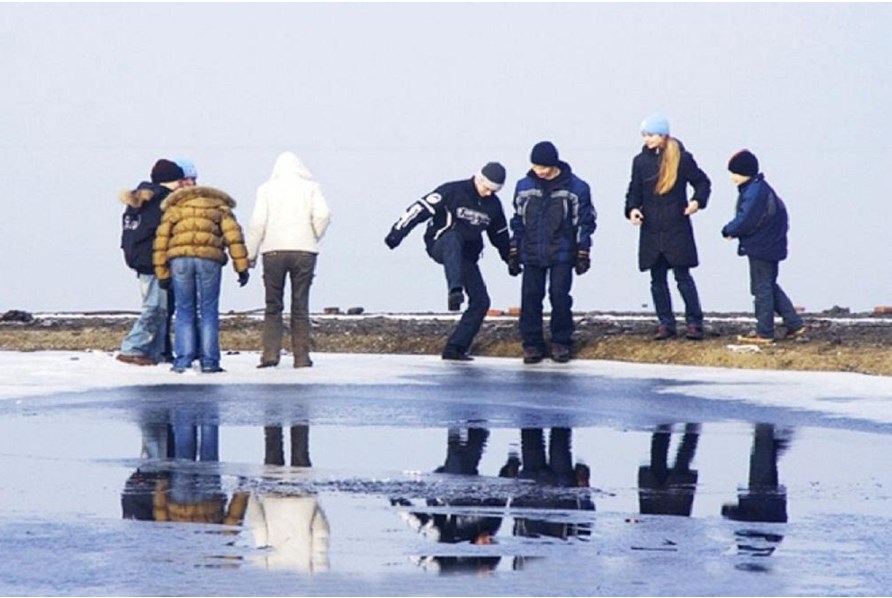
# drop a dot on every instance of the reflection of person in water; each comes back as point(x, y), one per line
point(274, 446)
point(663, 490)
point(463, 455)
point(184, 493)
point(764, 499)
point(555, 470)
point(291, 526)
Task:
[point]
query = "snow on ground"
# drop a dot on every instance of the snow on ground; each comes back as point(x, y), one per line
point(43, 373)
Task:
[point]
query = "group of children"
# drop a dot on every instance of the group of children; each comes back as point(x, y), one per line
point(176, 236)
point(548, 239)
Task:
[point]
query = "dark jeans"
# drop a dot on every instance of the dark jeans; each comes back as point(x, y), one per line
point(770, 298)
point(462, 273)
point(277, 266)
point(659, 289)
point(532, 293)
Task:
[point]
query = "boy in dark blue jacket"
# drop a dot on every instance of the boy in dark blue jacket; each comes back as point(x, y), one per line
point(457, 215)
point(552, 228)
point(760, 226)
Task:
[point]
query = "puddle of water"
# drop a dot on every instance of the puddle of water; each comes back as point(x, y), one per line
point(598, 509)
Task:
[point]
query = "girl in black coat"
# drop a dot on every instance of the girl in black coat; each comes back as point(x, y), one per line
point(657, 201)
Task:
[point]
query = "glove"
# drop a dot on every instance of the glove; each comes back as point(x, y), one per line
point(514, 267)
point(164, 284)
point(243, 278)
point(392, 239)
point(583, 261)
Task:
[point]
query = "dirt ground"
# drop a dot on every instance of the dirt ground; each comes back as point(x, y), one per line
point(835, 341)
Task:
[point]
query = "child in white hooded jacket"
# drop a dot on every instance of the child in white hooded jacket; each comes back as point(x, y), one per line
point(289, 219)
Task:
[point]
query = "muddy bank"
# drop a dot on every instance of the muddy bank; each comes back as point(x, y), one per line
point(835, 342)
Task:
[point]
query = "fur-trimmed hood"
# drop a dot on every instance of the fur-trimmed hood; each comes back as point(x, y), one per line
point(188, 193)
point(144, 193)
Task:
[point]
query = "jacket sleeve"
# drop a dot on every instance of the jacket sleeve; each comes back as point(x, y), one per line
point(235, 242)
point(418, 212)
point(257, 225)
point(697, 179)
point(634, 194)
point(586, 218)
point(517, 224)
point(159, 245)
point(498, 232)
point(321, 214)
point(751, 207)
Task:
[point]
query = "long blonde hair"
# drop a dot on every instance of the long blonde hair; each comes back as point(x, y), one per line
point(668, 166)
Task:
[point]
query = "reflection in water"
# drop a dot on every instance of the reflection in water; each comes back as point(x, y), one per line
point(464, 449)
point(663, 490)
point(181, 494)
point(549, 493)
point(289, 527)
point(556, 470)
point(764, 499)
point(555, 483)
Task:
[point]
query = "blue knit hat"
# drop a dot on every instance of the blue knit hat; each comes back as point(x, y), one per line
point(655, 125)
point(189, 170)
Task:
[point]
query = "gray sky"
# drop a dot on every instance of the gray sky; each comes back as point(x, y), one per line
point(384, 102)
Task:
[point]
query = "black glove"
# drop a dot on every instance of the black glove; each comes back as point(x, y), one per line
point(583, 261)
point(164, 283)
point(514, 267)
point(392, 239)
point(243, 278)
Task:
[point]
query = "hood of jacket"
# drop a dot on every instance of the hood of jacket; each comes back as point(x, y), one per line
point(561, 180)
point(191, 193)
point(289, 165)
point(144, 193)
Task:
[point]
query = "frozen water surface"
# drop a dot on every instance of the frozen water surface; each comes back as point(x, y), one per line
point(409, 476)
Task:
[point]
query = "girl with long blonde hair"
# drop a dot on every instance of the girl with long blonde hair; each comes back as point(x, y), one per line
point(657, 201)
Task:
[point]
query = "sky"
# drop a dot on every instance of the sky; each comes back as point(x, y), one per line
point(385, 102)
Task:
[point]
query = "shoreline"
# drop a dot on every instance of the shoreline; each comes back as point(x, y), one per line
point(840, 342)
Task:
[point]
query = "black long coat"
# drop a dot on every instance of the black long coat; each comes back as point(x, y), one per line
point(666, 230)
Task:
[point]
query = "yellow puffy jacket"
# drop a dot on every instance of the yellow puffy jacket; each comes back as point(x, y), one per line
point(198, 222)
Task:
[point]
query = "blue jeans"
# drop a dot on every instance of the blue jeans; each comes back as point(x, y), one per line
point(462, 273)
point(147, 337)
point(532, 293)
point(191, 276)
point(770, 298)
point(659, 289)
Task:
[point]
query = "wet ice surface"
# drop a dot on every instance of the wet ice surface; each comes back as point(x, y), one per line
point(563, 474)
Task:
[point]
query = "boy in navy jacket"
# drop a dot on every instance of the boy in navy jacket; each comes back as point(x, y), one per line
point(760, 226)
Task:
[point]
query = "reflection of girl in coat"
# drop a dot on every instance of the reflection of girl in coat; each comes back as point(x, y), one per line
point(657, 201)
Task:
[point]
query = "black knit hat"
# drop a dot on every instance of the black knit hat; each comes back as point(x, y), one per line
point(493, 175)
point(165, 171)
point(744, 163)
point(544, 154)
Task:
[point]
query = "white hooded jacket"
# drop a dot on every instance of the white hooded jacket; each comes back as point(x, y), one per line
point(290, 213)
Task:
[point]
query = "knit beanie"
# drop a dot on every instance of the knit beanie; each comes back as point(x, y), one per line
point(655, 125)
point(165, 171)
point(189, 170)
point(493, 176)
point(544, 154)
point(744, 163)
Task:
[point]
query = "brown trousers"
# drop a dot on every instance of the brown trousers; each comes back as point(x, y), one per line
point(277, 266)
